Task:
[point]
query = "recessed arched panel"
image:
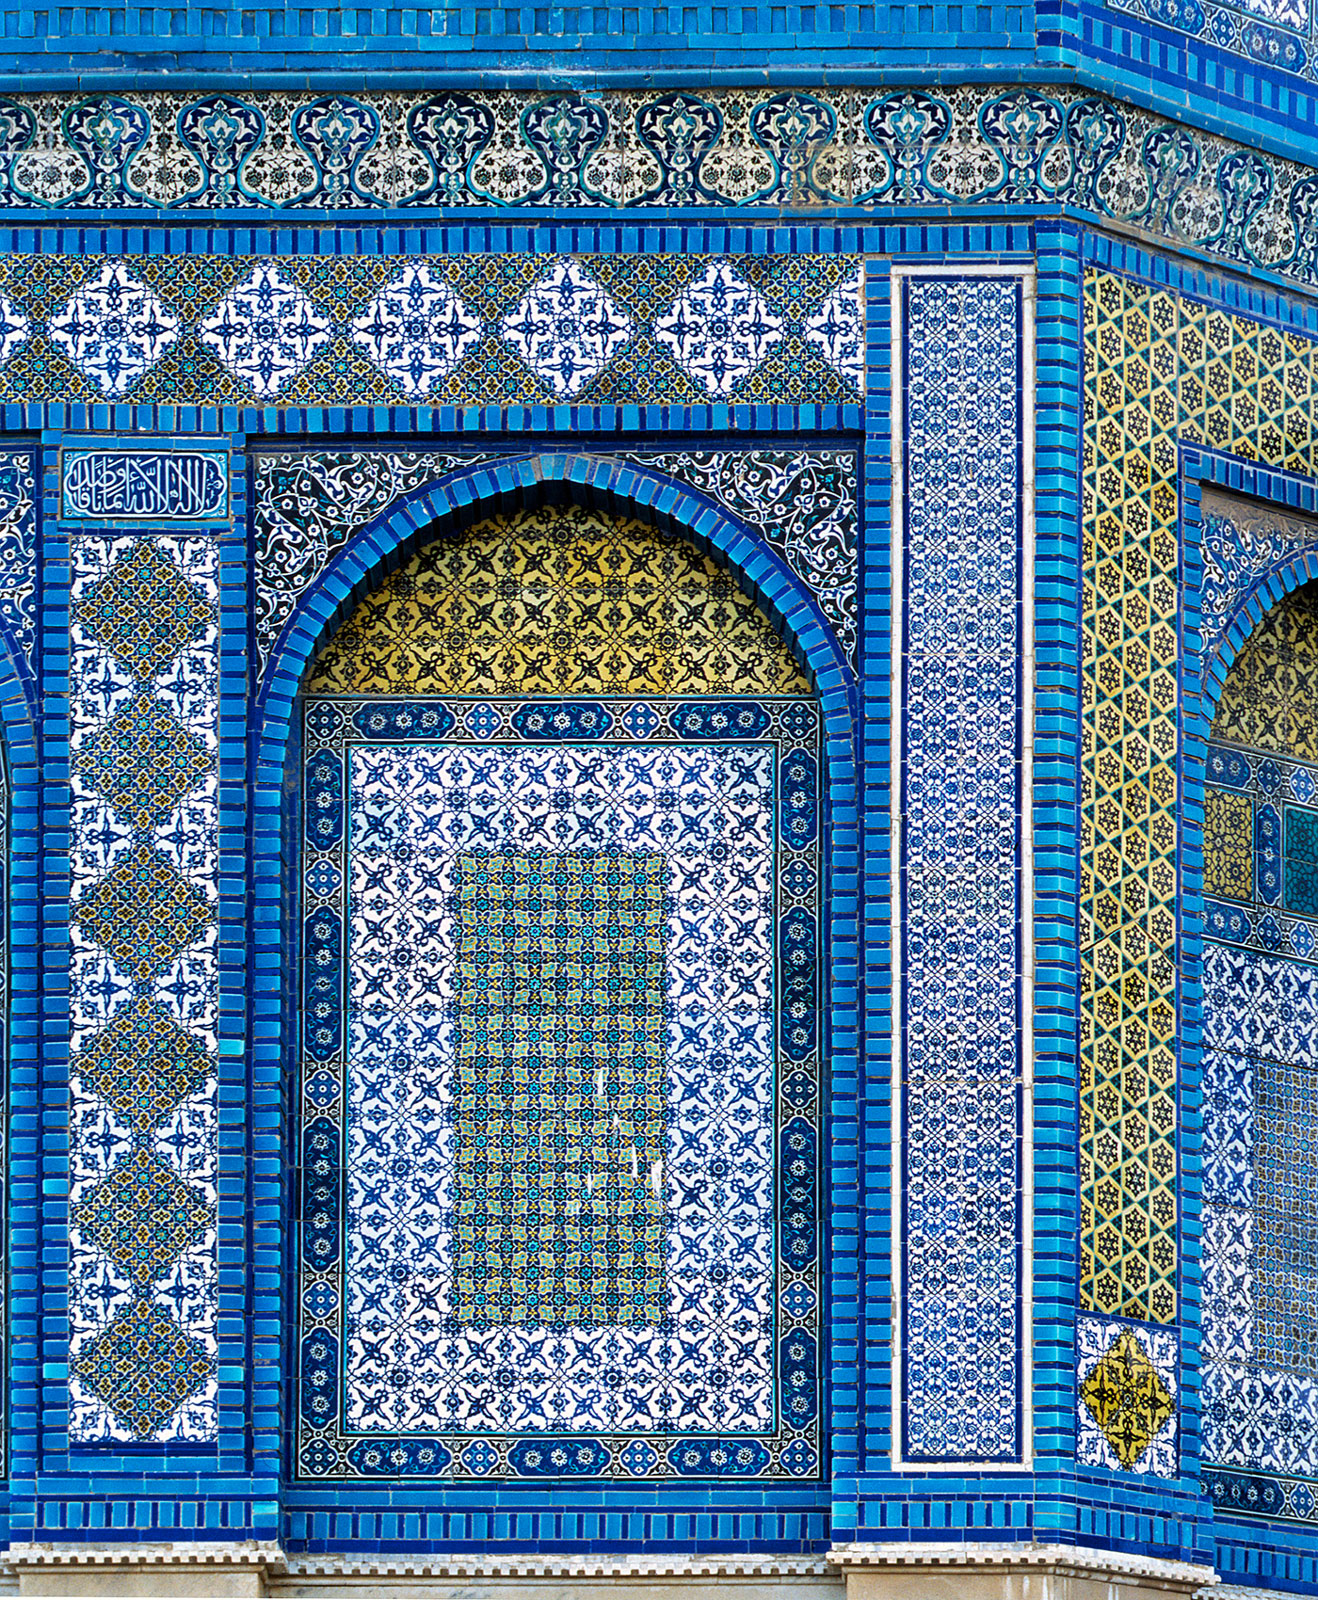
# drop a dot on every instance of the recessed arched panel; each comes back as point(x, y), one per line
point(561, 1042)
point(559, 600)
point(1260, 1033)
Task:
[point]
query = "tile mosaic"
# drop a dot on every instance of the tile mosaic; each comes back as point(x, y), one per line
point(576, 597)
point(143, 1222)
point(961, 931)
point(1260, 1307)
point(1242, 542)
point(1259, 869)
point(557, 1084)
point(567, 328)
point(307, 505)
point(1163, 370)
point(113, 330)
point(1129, 796)
point(1281, 34)
point(265, 330)
point(557, 920)
point(416, 330)
point(1260, 1316)
point(1228, 845)
point(1126, 1377)
point(1266, 703)
point(805, 503)
point(967, 144)
point(463, 329)
point(721, 329)
point(18, 551)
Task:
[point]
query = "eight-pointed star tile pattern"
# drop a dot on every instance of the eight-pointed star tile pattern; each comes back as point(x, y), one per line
point(143, 1152)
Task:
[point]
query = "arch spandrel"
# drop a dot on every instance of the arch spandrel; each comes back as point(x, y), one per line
point(558, 600)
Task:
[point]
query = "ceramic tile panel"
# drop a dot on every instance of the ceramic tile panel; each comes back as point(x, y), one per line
point(462, 329)
point(309, 504)
point(1129, 798)
point(1260, 1271)
point(1242, 542)
point(553, 601)
point(18, 552)
point(1127, 1384)
point(559, 1105)
point(961, 937)
point(649, 151)
point(1260, 817)
point(1279, 34)
point(143, 1294)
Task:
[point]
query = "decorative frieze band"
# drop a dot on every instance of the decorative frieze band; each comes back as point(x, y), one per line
point(969, 145)
point(476, 329)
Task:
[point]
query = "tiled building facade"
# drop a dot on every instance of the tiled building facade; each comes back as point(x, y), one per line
point(659, 795)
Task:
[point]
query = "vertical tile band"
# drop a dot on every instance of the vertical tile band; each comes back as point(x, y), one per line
point(1128, 801)
point(144, 655)
point(962, 473)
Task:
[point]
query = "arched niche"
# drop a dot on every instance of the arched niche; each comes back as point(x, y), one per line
point(1260, 1037)
point(560, 874)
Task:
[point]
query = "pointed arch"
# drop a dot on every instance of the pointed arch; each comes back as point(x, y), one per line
point(459, 503)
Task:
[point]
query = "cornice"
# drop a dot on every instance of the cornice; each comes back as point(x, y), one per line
point(281, 1568)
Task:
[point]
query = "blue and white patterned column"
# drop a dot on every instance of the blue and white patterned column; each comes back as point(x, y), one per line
point(961, 482)
point(143, 1301)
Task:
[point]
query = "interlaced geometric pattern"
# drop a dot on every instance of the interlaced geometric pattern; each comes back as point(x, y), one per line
point(144, 912)
point(1162, 370)
point(143, 1294)
point(560, 1108)
point(558, 600)
point(144, 611)
point(143, 1216)
point(144, 1367)
point(1128, 804)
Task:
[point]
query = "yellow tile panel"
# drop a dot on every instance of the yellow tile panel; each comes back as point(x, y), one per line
point(1160, 370)
point(1228, 845)
point(560, 600)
